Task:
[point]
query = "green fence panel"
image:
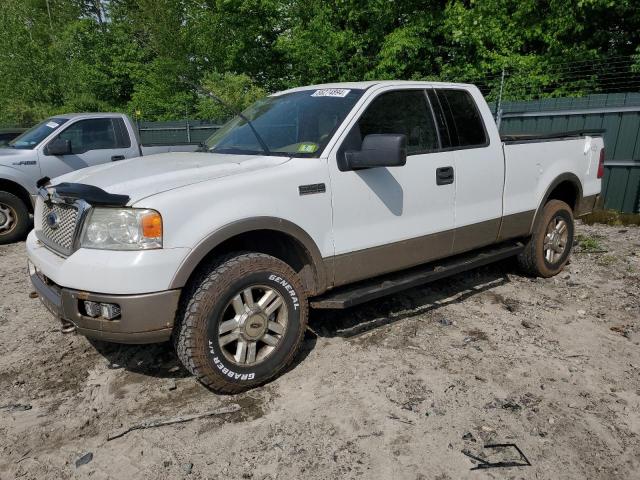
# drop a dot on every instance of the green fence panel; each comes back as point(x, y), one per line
point(178, 131)
point(626, 136)
point(631, 202)
point(576, 122)
point(605, 182)
point(610, 125)
point(616, 188)
point(593, 122)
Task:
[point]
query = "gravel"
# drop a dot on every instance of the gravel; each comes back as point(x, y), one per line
point(396, 388)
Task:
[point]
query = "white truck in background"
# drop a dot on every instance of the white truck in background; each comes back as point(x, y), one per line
point(322, 196)
point(59, 145)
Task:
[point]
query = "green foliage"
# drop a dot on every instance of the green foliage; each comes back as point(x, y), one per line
point(611, 217)
point(128, 55)
point(589, 243)
point(236, 90)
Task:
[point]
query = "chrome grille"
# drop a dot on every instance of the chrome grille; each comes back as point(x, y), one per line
point(60, 238)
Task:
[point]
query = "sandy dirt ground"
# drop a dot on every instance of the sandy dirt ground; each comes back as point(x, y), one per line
point(397, 388)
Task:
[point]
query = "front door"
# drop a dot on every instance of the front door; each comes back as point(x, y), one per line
point(93, 142)
point(387, 219)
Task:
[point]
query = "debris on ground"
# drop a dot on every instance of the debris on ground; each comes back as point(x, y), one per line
point(16, 407)
point(84, 459)
point(234, 407)
point(388, 389)
point(520, 461)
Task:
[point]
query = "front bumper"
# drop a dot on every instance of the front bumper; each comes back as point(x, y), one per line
point(145, 318)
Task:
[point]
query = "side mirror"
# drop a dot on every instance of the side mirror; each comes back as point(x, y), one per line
point(378, 150)
point(58, 146)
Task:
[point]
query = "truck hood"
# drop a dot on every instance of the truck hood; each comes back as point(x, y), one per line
point(144, 176)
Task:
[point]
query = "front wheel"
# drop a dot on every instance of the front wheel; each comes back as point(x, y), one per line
point(14, 218)
point(241, 322)
point(548, 249)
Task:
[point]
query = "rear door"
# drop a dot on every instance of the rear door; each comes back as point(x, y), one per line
point(387, 219)
point(479, 167)
point(93, 141)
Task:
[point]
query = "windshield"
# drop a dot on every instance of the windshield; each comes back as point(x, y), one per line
point(32, 137)
point(295, 124)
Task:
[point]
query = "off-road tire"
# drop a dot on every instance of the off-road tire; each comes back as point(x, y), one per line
point(202, 303)
point(532, 259)
point(22, 221)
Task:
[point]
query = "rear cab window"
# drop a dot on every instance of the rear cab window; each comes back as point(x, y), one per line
point(464, 124)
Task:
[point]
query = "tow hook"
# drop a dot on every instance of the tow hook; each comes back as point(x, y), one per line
point(67, 326)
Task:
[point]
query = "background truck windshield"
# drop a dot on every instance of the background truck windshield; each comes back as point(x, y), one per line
point(295, 124)
point(32, 137)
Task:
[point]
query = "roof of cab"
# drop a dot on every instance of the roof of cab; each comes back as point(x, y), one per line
point(70, 116)
point(365, 85)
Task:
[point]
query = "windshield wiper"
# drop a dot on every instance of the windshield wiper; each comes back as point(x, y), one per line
point(202, 91)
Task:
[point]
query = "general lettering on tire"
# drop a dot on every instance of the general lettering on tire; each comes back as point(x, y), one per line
point(287, 286)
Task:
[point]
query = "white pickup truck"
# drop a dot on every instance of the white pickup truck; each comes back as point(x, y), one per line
point(59, 145)
point(322, 196)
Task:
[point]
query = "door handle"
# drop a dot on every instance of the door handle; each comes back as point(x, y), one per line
point(115, 158)
point(444, 175)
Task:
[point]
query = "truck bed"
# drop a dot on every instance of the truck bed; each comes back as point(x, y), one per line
point(536, 163)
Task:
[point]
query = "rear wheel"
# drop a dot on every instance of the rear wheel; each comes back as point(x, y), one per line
point(548, 249)
point(14, 218)
point(242, 322)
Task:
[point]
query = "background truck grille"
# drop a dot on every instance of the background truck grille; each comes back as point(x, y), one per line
point(61, 238)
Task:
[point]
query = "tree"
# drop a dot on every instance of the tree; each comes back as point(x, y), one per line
point(128, 55)
point(236, 90)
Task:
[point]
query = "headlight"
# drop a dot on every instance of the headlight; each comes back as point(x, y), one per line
point(122, 229)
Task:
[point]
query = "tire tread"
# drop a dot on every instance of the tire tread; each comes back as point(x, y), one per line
point(531, 260)
point(22, 211)
point(193, 300)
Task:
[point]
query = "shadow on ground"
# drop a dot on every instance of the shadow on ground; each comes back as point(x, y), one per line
point(361, 319)
point(160, 361)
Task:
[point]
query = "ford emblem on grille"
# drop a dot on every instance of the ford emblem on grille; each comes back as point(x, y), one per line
point(52, 220)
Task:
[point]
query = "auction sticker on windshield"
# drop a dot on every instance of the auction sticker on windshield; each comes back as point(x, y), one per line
point(52, 125)
point(331, 92)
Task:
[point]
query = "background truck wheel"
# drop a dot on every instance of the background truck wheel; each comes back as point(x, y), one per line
point(549, 247)
point(14, 218)
point(241, 322)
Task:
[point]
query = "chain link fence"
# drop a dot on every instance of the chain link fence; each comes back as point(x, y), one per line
point(175, 131)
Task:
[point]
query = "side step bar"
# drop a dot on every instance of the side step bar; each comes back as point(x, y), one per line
point(361, 292)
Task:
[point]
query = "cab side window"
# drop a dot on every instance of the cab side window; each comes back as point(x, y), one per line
point(402, 112)
point(464, 122)
point(93, 134)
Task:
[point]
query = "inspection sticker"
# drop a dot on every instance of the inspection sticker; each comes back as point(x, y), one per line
point(307, 147)
point(52, 125)
point(331, 92)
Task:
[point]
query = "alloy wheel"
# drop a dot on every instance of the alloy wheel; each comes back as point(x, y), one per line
point(7, 218)
point(556, 239)
point(253, 324)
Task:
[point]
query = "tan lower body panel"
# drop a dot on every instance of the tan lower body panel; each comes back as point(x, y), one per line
point(371, 262)
point(476, 235)
point(516, 225)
